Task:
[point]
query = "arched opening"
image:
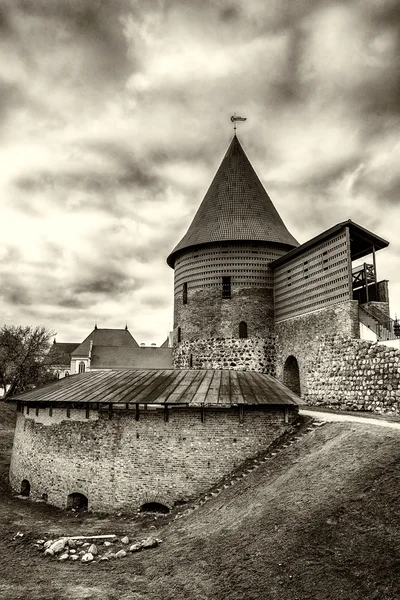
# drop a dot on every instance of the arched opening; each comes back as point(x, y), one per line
point(25, 488)
point(154, 507)
point(291, 375)
point(243, 329)
point(82, 367)
point(77, 501)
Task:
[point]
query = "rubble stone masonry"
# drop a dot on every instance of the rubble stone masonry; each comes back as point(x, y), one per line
point(207, 315)
point(216, 353)
point(336, 368)
point(354, 374)
point(121, 463)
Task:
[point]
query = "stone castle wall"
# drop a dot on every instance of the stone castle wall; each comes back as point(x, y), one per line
point(353, 374)
point(207, 315)
point(336, 368)
point(201, 311)
point(301, 336)
point(252, 354)
point(120, 464)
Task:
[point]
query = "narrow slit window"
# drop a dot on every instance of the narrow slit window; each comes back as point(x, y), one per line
point(184, 293)
point(226, 288)
point(243, 329)
point(179, 334)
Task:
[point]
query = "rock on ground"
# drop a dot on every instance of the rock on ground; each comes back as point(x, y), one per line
point(93, 549)
point(88, 557)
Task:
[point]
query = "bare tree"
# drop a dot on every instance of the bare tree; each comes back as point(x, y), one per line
point(22, 357)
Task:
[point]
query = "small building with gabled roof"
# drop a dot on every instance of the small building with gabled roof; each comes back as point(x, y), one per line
point(59, 357)
point(106, 349)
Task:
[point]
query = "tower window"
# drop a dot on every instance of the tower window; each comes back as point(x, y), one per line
point(243, 329)
point(226, 288)
point(179, 334)
point(81, 367)
point(184, 293)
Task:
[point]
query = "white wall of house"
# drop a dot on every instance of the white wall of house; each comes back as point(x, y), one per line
point(367, 334)
point(75, 362)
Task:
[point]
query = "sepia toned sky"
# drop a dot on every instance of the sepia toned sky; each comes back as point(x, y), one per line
point(114, 117)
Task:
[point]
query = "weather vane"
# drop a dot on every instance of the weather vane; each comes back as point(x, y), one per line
point(234, 119)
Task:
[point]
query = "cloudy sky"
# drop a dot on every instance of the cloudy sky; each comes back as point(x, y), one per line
point(114, 116)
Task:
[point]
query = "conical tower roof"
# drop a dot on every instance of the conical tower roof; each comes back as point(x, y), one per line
point(236, 207)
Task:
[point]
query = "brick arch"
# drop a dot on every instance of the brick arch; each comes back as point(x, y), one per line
point(77, 501)
point(155, 507)
point(156, 499)
point(291, 374)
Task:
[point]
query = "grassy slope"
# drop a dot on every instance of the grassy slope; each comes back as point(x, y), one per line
point(320, 520)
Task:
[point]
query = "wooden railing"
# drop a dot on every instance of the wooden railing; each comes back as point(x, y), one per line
point(380, 323)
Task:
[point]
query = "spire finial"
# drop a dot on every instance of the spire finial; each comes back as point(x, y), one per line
point(234, 118)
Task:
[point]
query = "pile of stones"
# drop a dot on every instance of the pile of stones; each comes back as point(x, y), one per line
point(99, 548)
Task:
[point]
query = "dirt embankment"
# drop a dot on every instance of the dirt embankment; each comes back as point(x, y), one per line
point(319, 520)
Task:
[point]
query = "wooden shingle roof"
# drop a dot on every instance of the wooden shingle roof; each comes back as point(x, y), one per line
point(236, 207)
point(222, 388)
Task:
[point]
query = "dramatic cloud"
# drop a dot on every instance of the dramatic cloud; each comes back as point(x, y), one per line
point(114, 116)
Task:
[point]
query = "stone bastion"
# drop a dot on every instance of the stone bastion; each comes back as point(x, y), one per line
point(121, 440)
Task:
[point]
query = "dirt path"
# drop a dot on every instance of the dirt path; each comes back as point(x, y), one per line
point(336, 416)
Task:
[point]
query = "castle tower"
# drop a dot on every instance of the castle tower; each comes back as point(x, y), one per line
point(223, 287)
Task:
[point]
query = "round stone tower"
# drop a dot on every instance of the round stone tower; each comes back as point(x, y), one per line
point(223, 288)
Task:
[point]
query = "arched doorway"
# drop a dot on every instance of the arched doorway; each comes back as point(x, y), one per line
point(291, 375)
point(77, 501)
point(154, 507)
point(25, 488)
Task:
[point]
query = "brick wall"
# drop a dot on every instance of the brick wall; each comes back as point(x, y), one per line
point(208, 315)
point(120, 464)
point(335, 367)
point(198, 277)
point(252, 354)
point(301, 337)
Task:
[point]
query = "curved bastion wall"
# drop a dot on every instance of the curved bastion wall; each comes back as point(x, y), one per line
point(121, 463)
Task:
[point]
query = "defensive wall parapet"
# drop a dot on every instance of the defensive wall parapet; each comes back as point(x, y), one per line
point(120, 463)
